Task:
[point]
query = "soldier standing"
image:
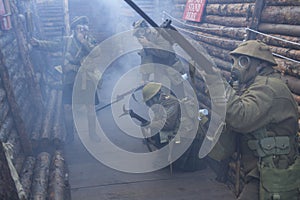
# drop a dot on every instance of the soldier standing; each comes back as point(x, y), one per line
point(74, 48)
point(264, 115)
point(157, 50)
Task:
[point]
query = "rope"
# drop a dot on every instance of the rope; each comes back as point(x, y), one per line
point(274, 37)
point(247, 29)
point(286, 58)
point(215, 38)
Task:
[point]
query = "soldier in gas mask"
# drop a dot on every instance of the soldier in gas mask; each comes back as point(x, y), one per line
point(74, 49)
point(263, 113)
point(169, 114)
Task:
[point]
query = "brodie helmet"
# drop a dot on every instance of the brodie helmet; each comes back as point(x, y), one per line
point(139, 27)
point(150, 90)
point(83, 20)
point(255, 49)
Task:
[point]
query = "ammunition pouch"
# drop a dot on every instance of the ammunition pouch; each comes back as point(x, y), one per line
point(280, 183)
point(278, 145)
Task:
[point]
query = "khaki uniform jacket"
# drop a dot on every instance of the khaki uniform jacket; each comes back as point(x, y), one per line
point(73, 51)
point(266, 104)
point(170, 111)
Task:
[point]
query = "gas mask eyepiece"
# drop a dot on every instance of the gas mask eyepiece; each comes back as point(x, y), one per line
point(244, 62)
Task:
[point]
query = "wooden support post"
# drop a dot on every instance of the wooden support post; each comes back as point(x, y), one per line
point(259, 5)
point(35, 89)
point(15, 110)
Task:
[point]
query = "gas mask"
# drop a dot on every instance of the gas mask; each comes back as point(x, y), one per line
point(241, 68)
point(153, 100)
point(83, 29)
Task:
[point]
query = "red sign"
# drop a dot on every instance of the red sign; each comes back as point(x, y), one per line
point(194, 10)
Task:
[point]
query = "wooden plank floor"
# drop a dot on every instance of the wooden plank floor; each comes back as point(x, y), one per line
point(91, 180)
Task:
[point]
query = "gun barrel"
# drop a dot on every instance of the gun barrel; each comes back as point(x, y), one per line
point(138, 117)
point(171, 34)
point(142, 13)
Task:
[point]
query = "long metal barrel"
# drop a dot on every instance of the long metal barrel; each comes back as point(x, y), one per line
point(171, 34)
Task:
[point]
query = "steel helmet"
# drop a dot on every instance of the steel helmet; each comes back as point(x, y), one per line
point(255, 49)
point(150, 90)
point(83, 20)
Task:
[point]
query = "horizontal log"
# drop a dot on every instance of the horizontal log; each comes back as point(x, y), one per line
point(223, 65)
point(35, 134)
point(26, 175)
point(241, 9)
point(281, 43)
point(290, 53)
point(229, 1)
point(218, 30)
point(217, 52)
point(49, 116)
point(282, 29)
point(227, 21)
point(41, 177)
point(281, 15)
point(288, 67)
point(57, 185)
point(283, 3)
point(57, 136)
point(293, 83)
point(215, 40)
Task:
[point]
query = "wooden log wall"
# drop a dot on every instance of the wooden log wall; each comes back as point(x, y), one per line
point(50, 131)
point(24, 123)
point(226, 23)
